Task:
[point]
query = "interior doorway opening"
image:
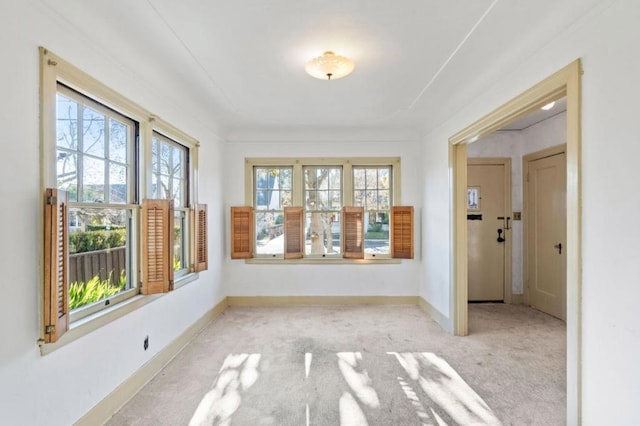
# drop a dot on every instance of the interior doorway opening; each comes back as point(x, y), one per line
point(565, 82)
point(505, 262)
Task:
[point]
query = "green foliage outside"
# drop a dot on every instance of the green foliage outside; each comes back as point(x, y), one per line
point(104, 227)
point(81, 294)
point(376, 227)
point(375, 232)
point(84, 241)
point(372, 235)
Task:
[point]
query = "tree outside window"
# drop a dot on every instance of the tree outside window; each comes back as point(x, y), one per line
point(323, 204)
point(169, 181)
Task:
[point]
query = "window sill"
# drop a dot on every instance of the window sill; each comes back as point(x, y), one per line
point(321, 261)
point(86, 325)
point(185, 279)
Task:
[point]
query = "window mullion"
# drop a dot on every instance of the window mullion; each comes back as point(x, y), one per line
point(80, 154)
point(170, 172)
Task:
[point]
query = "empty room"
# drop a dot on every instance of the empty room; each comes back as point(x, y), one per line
point(320, 213)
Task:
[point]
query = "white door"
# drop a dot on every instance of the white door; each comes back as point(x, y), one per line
point(486, 211)
point(546, 239)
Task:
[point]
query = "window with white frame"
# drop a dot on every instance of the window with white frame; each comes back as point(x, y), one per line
point(322, 210)
point(372, 191)
point(170, 181)
point(95, 165)
point(272, 193)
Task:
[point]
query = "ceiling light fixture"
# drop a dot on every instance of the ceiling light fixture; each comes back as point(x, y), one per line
point(329, 66)
point(548, 106)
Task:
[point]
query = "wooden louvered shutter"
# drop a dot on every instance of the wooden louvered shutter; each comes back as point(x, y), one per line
point(202, 254)
point(241, 232)
point(157, 244)
point(353, 232)
point(402, 232)
point(293, 233)
point(56, 256)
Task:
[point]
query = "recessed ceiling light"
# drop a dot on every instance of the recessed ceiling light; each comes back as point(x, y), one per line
point(329, 66)
point(548, 106)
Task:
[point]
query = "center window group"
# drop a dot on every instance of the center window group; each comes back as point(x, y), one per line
point(322, 191)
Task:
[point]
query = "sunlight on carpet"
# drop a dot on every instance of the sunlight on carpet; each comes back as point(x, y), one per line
point(435, 391)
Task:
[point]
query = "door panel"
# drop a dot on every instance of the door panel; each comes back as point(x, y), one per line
point(547, 235)
point(486, 256)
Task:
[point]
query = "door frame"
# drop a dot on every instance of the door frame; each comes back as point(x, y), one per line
point(526, 159)
point(565, 82)
point(506, 162)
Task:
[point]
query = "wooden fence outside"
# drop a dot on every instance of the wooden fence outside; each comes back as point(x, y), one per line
point(107, 264)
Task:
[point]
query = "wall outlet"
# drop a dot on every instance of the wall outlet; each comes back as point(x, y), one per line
point(146, 343)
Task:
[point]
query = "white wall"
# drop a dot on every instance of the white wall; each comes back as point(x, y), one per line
point(515, 145)
point(58, 388)
point(243, 279)
point(607, 42)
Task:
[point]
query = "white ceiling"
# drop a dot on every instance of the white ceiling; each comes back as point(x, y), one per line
point(241, 63)
point(537, 116)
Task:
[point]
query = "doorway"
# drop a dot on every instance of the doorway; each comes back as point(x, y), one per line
point(488, 226)
point(565, 82)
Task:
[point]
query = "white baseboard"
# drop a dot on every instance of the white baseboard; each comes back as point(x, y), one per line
point(435, 314)
point(106, 408)
point(319, 300)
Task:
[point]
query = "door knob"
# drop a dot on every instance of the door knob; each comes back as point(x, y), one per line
point(500, 239)
point(559, 247)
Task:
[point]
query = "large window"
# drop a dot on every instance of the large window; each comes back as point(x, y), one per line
point(298, 206)
point(120, 208)
point(95, 165)
point(272, 193)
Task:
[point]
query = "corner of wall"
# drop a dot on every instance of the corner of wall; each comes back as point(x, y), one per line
point(435, 315)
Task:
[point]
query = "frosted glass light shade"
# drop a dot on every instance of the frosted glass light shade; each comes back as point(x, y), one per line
point(329, 66)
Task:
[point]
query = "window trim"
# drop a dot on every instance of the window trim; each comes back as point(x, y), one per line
point(347, 164)
point(53, 71)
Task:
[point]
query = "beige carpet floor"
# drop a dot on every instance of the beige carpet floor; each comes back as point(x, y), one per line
point(361, 365)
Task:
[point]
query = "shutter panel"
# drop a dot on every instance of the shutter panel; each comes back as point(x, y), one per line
point(56, 256)
point(402, 232)
point(293, 233)
point(353, 232)
point(202, 253)
point(157, 244)
point(241, 232)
